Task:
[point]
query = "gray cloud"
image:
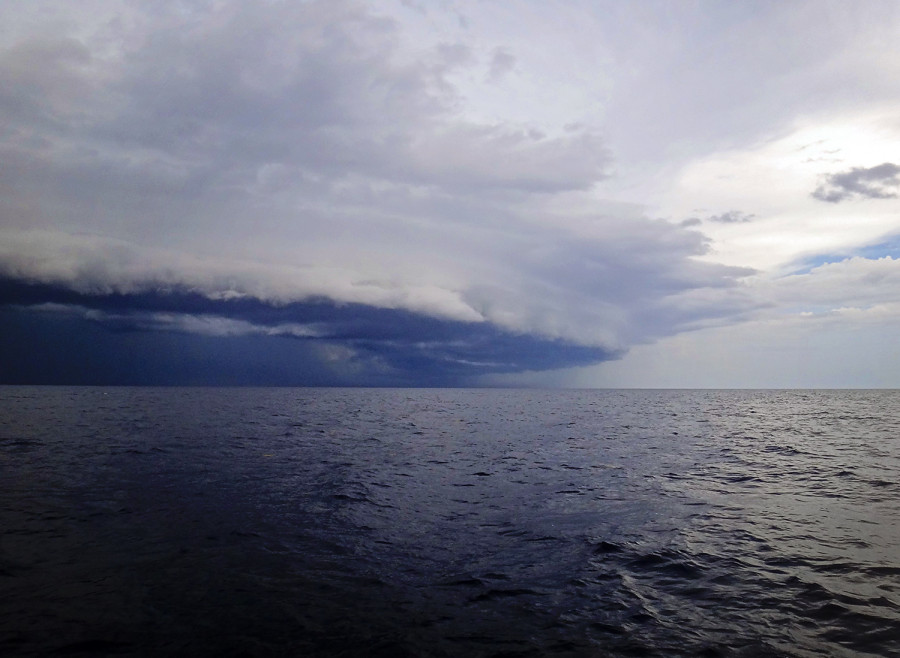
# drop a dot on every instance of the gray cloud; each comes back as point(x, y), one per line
point(879, 182)
point(294, 151)
point(502, 63)
point(317, 89)
point(732, 217)
point(327, 342)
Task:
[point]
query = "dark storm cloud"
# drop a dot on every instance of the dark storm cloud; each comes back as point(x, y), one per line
point(879, 182)
point(342, 344)
point(293, 174)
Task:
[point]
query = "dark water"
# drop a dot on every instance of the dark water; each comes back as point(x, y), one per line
point(304, 522)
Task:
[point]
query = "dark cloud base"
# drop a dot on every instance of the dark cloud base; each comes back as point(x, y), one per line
point(104, 339)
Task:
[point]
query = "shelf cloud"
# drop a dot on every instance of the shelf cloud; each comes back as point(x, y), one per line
point(292, 159)
point(336, 192)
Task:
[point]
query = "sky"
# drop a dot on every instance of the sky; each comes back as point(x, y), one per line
point(590, 193)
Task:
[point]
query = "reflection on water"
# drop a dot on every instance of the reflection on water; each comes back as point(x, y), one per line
point(143, 521)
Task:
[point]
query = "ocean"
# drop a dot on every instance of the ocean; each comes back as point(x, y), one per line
point(448, 522)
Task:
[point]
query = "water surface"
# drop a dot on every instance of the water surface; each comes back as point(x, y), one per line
point(346, 522)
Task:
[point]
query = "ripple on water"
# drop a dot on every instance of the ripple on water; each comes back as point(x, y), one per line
point(443, 523)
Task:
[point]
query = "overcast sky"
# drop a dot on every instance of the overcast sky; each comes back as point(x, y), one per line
point(451, 192)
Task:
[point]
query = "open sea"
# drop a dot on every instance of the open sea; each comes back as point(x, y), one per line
point(448, 522)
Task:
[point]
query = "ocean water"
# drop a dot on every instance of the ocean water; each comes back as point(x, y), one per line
point(374, 522)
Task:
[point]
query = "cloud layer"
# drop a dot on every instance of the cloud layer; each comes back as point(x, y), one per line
point(304, 155)
point(338, 192)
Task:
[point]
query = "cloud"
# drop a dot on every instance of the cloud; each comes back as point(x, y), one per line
point(732, 217)
point(852, 282)
point(834, 326)
point(610, 286)
point(879, 182)
point(250, 174)
point(502, 63)
point(325, 88)
point(384, 346)
point(772, 179)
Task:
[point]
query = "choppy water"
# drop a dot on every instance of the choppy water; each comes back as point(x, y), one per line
point(355, 522)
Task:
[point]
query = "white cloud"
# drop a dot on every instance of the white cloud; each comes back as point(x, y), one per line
point(852, 282)
point(774, 181)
